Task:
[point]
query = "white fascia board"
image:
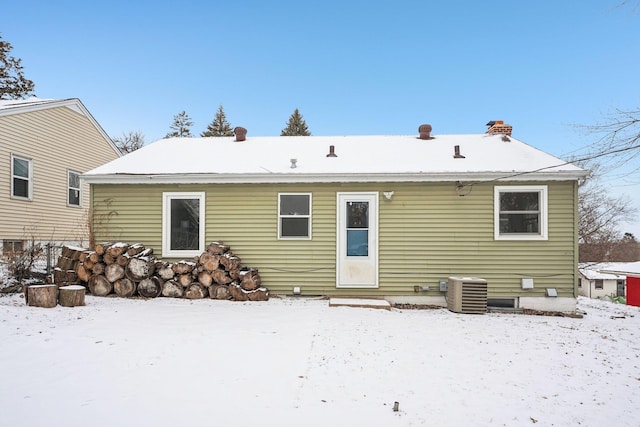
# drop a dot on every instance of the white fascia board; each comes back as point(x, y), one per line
point(210, 178)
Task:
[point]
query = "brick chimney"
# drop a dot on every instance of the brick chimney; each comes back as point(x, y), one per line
point(425, 131)
point(499, 127)
point(241, 133)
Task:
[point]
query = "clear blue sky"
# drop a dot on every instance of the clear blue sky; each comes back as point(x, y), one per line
point(351, 67)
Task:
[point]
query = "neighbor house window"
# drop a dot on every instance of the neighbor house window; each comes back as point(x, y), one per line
point(73, 188)
point(12, 247)
point(520, 212)
point(599, 284)
point(294, 216)
point(182, 224)
point(21, 177)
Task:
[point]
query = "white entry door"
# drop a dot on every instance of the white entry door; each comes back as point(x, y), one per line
point(357, 252)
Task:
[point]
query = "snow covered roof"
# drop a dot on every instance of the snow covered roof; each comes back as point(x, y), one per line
point(358, 159)
point(609, 270)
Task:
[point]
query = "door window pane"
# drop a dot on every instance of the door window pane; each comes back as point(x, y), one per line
point(357, 214)
point(357, 242)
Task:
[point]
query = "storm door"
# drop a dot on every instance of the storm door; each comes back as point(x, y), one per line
point(357, 251)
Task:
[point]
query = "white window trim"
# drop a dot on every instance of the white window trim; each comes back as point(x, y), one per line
point(542, 190)
point(29, 179)
point(308, 237)
point(79, 188)
point(166, 223)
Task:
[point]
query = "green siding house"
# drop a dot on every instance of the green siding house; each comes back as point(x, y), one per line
point(360, 216)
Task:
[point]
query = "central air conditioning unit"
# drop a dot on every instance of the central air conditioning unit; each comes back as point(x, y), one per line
point(467, 295)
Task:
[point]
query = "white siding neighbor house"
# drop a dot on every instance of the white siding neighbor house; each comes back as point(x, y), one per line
point(45, 147)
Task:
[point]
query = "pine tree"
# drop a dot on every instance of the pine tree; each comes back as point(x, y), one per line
point(13, 84)
point(296, 126)
point(181, 126)
point(219, 126)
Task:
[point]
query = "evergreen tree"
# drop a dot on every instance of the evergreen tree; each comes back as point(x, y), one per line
point(181, 126)
point(219, 126)
point(13, 84)
point(296, 126)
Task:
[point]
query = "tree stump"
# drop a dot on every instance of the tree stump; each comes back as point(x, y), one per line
point(100, 286)
point(42, 296)
point(71, 296)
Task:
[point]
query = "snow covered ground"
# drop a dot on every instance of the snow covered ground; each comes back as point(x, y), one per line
point(299, 362)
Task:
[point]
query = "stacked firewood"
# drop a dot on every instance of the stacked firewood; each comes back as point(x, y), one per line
point(130, 270)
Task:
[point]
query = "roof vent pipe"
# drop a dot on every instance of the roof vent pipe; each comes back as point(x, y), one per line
point(293, 163)
point(456, 153)
point(425, 131)
point(332, 151)
point(241, 133)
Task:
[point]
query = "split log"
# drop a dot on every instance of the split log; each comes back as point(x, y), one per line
point(183, 267)
point(196, 291)
point(147, 252)
point(237, 293)
point(83, 256)
point(123, 260)
point(114, 272)
point(64, 276)
point(250, 279)
point(217, 248)
point(234, 274)
point(260, 294)
point(219, 292)
point(230, 262)
point(66, 263)
point(124, 287)
point(88, 263)
point(71, 296)
point(117, 249)
point(205, 278)
point(165, 271)
point(209, 261)
point(141, 268)
point(108, 259)
point(100, 286)
point(83, 272)
point(172, 289)
point(135, 249)
point(184, 279)
point(150, 287)
point(72, 252)
point(101, 248)
point(42, 296)
point(98, 268)
point(94, 257)
point(221, 277)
